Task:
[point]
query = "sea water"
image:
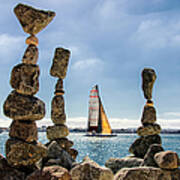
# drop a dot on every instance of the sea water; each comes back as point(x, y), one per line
point(101, 149)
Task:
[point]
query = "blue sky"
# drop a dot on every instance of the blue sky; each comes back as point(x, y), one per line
point(110, 42)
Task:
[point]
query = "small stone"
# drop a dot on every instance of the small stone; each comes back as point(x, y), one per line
point(64, 143)
point(149, 157)
point(141, 145)
point(33, 20)
point(23, 107)
point(167, 159)
point(52, 172)
point(31, 55)
point(20, 153)
point(24, 79)
point(58, 115)
point(59, 87)
point(148, 79)
point(57, 131)
point(73, 153)
point(148, 115)
point(89, 170)
point(60, 63)
point(25, 130)
point(150, 129)
point(32, 40)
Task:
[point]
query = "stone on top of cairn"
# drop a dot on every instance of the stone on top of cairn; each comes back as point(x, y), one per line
point(60, 63)
point(33, 20)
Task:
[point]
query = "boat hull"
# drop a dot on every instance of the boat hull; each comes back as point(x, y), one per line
point(101, 135)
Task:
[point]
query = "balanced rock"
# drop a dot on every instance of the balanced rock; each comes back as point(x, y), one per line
point(51, 172)
point(167, 159)
point(90, 170)
point(115, 164)
point(60, 63)
point(33, 20)
point(20, 153)
point(32, 40)
point(57, 131)
point(30, 55)
point(24, 78)
point(150, 129)
point(148, 115)
point(148, 79)
point(141, 145)
point(23, 107)
point(25, 130)
point(57, 110)
point(59, 87)
point(73, 153)
point(149, 157)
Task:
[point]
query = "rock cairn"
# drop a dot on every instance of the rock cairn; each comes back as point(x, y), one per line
point(149, 131)
point(22, 148)
point(59, 131)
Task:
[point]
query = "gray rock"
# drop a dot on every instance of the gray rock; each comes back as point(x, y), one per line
point(148, 79)
point(149, 157)
point(64, 143)
point(30, 55)
point(23, 107)
point(24, 79)
point(25, 130)
point(149, 129)
point(115, 164)
point(33, 20)
point(141, 145)
point(60, 63)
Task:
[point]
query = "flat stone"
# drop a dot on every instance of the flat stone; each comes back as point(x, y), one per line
point(24, 78)
point(19, 153)
point(23, 107)
point(90, 170)
point(25, 130)
point(59, 87)
point(33, 20)
point(141, 145)
point(148, 115)
point(73, 152)
point(115, 164)
point(149, 157)
point(60, 63)
point(150, 129)
point(51, 172)
point(31, 55)
point(167, 159)
point(57, 131)
point(148, 79)
point(32, 40)
point(58, 115)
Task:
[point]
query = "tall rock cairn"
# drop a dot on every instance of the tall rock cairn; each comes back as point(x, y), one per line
point(149, 131)
point(22, 148)
point(59, 131)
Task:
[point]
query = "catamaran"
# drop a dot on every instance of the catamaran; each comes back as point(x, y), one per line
point(98, 124)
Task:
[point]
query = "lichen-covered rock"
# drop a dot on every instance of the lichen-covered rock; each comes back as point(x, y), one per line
point(143, 173)
point(25, 130)
point(150, 129)
point(33, 20)
point(167, 159)
point(90, 170)
point(58, 115)
point(148, 115)
point(115, 164)
point(24, 78)
point(73, 153)
point(149, 157)
point(59, 87)
point(141, 145)
point(148, 79)
point(23, 107)
point(50, 173)
point(19, 153)
point(57, 131)
point(60, 63)
point(30, 55)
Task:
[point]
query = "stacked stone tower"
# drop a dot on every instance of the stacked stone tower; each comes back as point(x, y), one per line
point(149, 131)
point(22, 148)
point(59, 131)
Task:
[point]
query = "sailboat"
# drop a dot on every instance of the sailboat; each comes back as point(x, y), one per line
point(98, 124)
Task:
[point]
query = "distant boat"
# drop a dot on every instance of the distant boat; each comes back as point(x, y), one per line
point(98, 124)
